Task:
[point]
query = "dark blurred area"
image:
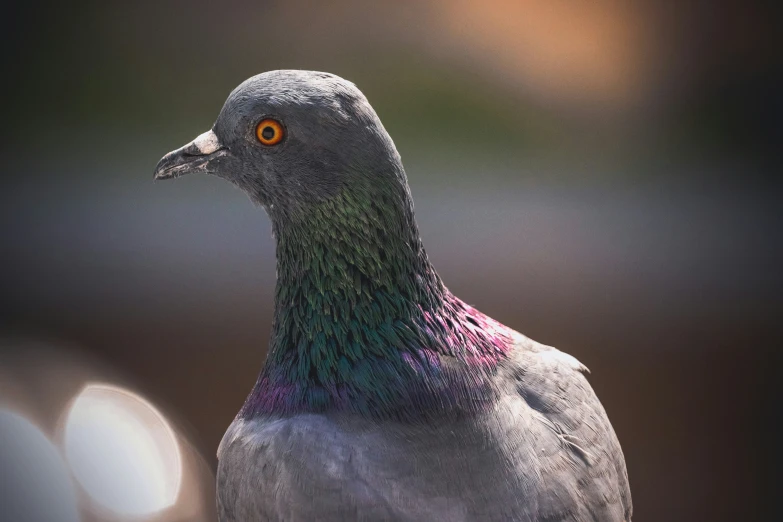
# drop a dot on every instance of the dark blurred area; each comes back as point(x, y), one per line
point(601, 176)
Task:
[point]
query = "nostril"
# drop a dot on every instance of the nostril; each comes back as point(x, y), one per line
point(190, 151)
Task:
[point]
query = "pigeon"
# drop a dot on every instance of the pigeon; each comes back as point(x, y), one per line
point(383, 395)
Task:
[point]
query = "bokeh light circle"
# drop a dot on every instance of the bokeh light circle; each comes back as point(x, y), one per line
point(122, 451)
point(35, 483)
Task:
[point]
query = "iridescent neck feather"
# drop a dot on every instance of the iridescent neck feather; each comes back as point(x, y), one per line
point(362, 321)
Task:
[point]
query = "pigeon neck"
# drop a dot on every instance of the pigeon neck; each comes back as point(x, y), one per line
point(355, 259)
point(361, 316)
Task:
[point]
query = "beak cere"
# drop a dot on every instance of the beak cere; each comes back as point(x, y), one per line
point(193, 157)
point(207, 143)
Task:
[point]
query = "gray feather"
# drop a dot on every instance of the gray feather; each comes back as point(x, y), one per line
point(545, 452)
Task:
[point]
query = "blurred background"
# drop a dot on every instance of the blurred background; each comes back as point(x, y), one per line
point(602, 176)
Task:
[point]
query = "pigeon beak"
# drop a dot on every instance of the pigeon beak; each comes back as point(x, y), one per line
point(193, 157)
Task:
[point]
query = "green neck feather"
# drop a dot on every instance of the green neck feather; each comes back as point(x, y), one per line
point(362, 321)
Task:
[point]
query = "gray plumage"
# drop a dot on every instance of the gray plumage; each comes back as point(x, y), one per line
point(545, 452)
point(534, 444)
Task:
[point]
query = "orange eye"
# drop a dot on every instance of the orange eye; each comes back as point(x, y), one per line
point(270, 132)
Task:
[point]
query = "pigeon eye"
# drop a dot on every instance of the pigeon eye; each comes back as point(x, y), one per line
point(269, 132)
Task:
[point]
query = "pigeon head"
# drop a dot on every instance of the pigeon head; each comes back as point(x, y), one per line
point(360, 313)
point(291, 139)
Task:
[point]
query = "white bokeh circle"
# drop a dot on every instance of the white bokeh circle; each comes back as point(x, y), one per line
point(122, 451)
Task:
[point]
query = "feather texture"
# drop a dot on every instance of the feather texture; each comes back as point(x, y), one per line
point(543, 451)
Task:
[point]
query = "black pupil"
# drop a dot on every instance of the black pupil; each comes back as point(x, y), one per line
point(268, 133)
